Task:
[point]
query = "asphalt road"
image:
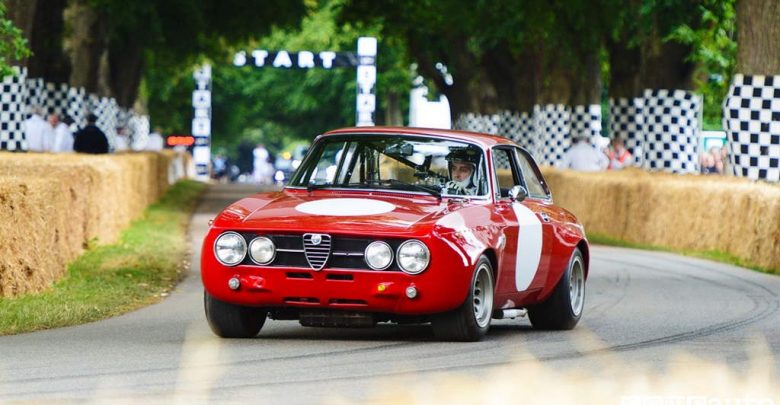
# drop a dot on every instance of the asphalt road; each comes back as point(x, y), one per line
point(642, 309)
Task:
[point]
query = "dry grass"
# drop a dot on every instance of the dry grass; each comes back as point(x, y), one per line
point(691, 213)
point(52, 206)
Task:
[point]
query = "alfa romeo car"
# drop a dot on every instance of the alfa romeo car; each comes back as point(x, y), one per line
point(400, 225)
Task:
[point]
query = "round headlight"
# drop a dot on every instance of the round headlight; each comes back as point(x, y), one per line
point(262, 250)
point(379, 255)
point(230, 248)
point(413, 257)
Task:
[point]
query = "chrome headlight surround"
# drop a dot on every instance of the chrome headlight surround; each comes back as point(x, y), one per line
point(413, 256)
point(374, 249)
point(230, 248)
point(262, 250)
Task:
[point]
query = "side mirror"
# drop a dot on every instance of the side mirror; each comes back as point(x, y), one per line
point(518, 193)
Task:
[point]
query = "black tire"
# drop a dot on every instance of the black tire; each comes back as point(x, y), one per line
point(560, 311)
point(470, 321)
point(233, 321)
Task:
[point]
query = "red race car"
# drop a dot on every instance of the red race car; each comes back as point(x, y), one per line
point(398, 225)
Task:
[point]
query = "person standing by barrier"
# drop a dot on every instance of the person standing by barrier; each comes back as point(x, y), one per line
point(37, 132)
point(583, 156)
point(63, 138)
point(90, 139)
point(619, 157)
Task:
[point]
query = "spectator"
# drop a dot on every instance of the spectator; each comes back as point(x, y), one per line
point(90, 139)
point(262, 169)
point(583, 156)
point(155, 143)
point(38, 132)
point(708, 164)
point(619, 157)
point(63, 138)
point(122, 141)
point(219, 167)
point(718, 158)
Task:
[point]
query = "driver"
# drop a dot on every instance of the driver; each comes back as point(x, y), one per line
point(462, 165)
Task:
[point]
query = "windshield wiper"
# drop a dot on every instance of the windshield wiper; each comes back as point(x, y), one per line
point(311, 187)
point(417, 187)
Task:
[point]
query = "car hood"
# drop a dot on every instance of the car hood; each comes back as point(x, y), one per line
point(327, 211)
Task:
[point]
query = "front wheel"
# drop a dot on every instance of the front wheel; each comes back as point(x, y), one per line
point(470, 321)
point(233, 321)
point(563, 308)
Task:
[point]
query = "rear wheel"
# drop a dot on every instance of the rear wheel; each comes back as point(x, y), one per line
point(233, 321)
point(471, 320)
point(563, 308)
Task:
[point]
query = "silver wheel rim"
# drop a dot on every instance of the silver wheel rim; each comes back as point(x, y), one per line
point(577, 287)
point(482, 293)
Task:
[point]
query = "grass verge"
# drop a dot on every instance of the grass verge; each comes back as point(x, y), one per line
point(716, 255)
point(113, 279)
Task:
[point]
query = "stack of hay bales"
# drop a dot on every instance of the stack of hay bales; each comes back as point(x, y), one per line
point(52, 206)
point(696, 213)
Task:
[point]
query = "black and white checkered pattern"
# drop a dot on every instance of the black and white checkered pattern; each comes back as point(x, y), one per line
point(77, 106)
point(12, 111)
point(751, 117)
point(139, 128)
point(625, 122)
point(586, 121)
point(106, 112)
point(487, 124)
point(552, 127)
point(518, 127)
point(55, 98)
point(671, 125)
point(36, 95)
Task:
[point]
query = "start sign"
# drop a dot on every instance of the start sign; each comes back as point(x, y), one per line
point(364, 60)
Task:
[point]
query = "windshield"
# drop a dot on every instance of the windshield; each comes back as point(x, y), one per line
point(408, 163)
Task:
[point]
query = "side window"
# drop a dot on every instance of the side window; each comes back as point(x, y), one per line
point(531, 175)
point(506, 172)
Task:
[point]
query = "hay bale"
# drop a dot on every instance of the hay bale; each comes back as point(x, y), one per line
point(68, 200)
point(36, 244)
point(699, 213)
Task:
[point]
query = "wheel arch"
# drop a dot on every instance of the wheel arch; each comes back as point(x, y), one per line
point(584, 248)
point(493, 258)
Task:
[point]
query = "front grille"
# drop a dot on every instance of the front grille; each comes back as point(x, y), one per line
point(344, 252)
point(317, 249)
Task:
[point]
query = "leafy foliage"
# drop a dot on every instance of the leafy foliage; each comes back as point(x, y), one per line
point(12, 44)
point(715, 50)
point(279, 106)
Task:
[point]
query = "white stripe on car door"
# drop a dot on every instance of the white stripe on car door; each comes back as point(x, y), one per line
point(529, 246)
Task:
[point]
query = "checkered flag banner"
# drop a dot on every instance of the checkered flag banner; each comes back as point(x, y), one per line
point(106, 112)
point(13, 94)
point(36, 94)
point(487, 124)
point(518, 127)
point(625, 122)
point(552, 127)
point(586, 121)
point(751, 117)
point(56, 98)
point(77, 106)
point(671, 128)
point(139, 127)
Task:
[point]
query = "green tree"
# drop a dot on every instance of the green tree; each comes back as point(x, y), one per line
point(13, 46)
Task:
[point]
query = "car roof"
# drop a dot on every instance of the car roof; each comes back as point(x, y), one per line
point(484, 140)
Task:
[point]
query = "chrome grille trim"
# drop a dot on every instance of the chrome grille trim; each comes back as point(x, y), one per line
point(316, 255)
